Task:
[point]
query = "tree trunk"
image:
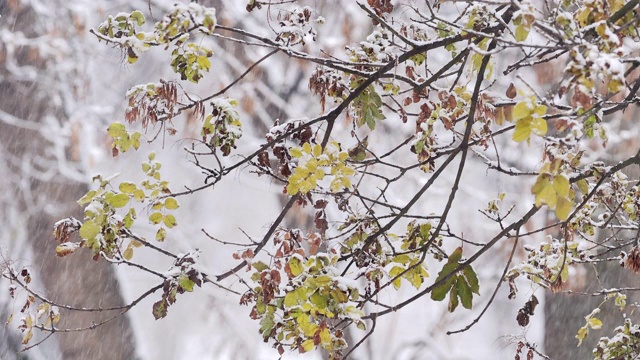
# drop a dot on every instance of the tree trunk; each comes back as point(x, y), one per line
point(35, 187)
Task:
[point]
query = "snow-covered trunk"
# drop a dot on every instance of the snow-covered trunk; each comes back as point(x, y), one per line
point(40, 183)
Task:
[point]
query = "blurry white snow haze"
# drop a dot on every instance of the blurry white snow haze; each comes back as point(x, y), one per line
point(60, 89)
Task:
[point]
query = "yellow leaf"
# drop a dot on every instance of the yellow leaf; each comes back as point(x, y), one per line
point(89, 230)
point(317, 150)
point(127, 187)
point(523, 129)
point(295, 152)
point(563, 208)
point(415, 279)
point(539, 126)
point(614, 86)
point(542, 182)
point(138, 195)
point(119, 200)
point(128, 253)
point(583, 186)
point(393, 273)
point(521, 110)
point(312, 165)
point(308, 345)
point(155, 218)
point(325, 336)
point(561, 185)
point(306, 147)
point(540, 110)
point(161, 234)
point(117, 129)
point(291, 299)
point(547, 196)
point(27, 336)
point(171, 203)
point(293, 189)
point(595, 323)
point(582, 334)
point(499, 116)
point(521, 33)
point(295, 265)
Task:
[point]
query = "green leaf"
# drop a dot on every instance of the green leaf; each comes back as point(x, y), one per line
point(440, 292)
point(127, 187)
point(171, 203)
point(455, 256)
point(89, 230)
point(87, 198)
point(138, 195)
point(185, 283)
point(472, 279)
point(464, 292)
point(203, 63)
point(401, 259)
point(116, 130)
point(135, 140)
point(129, 218)
point(447, 269)
point(418, 59)
point(123, 143)
point(170, 221)
point(425, 230)
point(266, 325)
point(118, 201)
point(138, 17)
point(339, 296)
point(318, 300)
point(260, 266)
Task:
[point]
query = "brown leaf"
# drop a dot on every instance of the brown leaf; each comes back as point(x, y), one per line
point(522, 318)
point(160, 309)
point(511, 91)
point(320, 204)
